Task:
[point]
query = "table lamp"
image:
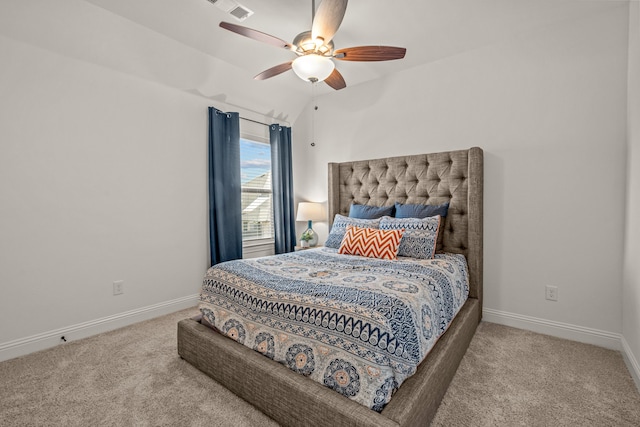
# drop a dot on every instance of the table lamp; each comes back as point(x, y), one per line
point(309, 212)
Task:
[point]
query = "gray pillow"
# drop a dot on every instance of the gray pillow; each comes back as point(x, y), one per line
point(339, 228)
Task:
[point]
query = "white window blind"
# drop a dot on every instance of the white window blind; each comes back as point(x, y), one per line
point(257, 210)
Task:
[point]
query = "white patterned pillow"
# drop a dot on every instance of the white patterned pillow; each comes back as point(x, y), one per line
point(339, 228)
point(420, 235)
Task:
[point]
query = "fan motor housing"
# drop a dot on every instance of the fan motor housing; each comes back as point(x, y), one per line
point(305, 44)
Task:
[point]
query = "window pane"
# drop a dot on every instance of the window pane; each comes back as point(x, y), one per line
point(255, 169)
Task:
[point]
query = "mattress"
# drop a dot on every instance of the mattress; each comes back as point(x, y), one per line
point(359, 326)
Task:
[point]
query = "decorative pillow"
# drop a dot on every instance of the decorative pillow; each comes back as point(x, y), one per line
point(339, 227)
point(421, 211)
point(420, 234)
point(370, 212)
point(371, 243)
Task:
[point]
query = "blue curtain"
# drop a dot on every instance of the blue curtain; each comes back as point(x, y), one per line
point(282, 182)
point(225, 203)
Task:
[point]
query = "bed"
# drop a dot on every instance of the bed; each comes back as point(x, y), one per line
point(292, 399)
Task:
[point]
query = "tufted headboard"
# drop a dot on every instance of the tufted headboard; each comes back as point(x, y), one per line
point(453, 176)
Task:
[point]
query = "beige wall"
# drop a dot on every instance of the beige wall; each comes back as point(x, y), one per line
point(103, 178)
point(549, 109)
point(631, 286)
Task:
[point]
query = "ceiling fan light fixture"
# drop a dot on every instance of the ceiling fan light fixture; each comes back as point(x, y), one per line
point(313, 67)
point(315, 48)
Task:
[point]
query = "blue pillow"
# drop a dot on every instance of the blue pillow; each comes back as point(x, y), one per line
point(339, 228)
point(370, 212)
point(420, 235)
point(421, 211)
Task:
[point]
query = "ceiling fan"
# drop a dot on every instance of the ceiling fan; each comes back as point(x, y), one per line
point(315, 48)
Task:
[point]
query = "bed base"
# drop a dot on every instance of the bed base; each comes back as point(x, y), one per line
point(302, 401)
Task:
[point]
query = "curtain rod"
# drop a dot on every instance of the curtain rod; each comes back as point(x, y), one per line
point(255, 121)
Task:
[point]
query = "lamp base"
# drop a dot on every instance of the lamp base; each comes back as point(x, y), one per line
point(309, 238)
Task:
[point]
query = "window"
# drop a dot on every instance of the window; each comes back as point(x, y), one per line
point(257, 211)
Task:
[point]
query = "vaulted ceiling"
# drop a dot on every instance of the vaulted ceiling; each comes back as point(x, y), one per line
point(178, 43)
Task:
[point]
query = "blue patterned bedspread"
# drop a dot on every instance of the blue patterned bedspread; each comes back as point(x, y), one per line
point(357, 325)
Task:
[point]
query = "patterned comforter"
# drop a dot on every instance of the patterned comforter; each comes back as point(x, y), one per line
point(357, 325)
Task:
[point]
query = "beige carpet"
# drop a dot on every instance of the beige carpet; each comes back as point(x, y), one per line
point(133, 376)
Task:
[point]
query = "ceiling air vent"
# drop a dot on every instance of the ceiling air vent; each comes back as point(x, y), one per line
point(241, 13)
point(233, 8)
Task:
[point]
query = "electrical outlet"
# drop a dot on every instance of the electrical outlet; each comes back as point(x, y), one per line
point(118, 287)
point(551, 293)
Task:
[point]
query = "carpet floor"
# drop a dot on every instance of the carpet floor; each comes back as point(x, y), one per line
point(134, 377)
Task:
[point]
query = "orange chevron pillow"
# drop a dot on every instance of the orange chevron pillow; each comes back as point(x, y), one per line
point(371, 242)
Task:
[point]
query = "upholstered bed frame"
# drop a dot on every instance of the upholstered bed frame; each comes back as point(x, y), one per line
point(293, 400)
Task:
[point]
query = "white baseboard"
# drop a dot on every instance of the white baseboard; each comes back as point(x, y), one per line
point(631, 361)
point(557, 329)
point(22, 346)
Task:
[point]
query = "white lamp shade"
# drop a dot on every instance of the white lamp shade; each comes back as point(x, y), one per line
point(313, 67)
point(308, 211)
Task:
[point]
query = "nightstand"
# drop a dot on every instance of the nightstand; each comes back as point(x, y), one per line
point(300, 248)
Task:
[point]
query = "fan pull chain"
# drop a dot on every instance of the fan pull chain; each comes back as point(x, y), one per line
point(313, 114)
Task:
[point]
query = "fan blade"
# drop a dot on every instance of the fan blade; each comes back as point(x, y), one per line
point(370, 53)
point(335, 80)
point(274, 71)
point(256, 35)
point(328, 19)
